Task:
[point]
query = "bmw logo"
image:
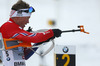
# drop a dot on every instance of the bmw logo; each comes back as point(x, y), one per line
point(8, 59)
point(65, 49)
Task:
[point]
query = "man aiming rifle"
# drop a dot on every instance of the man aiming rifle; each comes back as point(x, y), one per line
point(19, 17)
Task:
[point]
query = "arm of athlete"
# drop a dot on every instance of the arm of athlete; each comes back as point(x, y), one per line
point(12, 30)
point(33, 37)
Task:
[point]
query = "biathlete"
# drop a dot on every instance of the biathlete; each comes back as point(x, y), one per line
point(14, 27)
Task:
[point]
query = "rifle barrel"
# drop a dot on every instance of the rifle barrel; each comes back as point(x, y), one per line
point(71, 30)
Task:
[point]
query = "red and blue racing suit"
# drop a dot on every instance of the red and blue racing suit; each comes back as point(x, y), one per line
point(11, 30)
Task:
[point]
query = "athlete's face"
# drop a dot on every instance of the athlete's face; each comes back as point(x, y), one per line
point(21, 21)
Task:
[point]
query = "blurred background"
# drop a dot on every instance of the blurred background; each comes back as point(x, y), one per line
point(66, 14)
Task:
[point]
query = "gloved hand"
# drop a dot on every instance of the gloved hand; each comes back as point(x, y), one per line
point(29, 29)
point(57, 32)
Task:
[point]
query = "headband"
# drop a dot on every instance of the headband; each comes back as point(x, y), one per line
point(19, 13)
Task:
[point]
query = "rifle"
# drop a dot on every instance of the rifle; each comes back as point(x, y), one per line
point(81, 29)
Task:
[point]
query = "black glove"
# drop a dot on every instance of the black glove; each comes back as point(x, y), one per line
point(57, 32)
point(29, 29)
